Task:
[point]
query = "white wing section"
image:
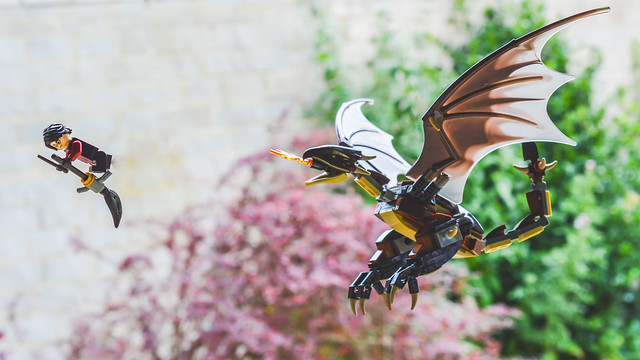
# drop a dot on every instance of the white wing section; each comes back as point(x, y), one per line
point(355, 130)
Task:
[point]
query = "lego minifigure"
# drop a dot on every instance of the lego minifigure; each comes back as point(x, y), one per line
point(57, 137)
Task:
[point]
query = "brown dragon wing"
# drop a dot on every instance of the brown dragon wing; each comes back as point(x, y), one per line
point(501, 100)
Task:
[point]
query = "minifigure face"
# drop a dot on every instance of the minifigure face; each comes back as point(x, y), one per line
point(62, 142)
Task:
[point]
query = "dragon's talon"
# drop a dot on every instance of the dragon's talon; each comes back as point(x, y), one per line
point(362, 301)
point(392, 295)
point(413, 290)
point(385, 296)
point(352, 303)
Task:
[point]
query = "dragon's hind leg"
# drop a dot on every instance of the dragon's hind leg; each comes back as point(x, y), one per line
point(391, 256)
point(398, 264)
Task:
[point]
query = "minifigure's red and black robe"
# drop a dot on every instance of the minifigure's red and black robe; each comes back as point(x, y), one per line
point(87, 153)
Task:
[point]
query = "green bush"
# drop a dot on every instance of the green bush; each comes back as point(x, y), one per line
point(577, 283)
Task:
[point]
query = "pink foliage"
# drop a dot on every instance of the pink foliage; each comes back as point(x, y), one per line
point(266, 278)
point(2, 354)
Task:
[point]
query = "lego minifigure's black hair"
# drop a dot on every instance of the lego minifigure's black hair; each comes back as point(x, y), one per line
point(53, 133)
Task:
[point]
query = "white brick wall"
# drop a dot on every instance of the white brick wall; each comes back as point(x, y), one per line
point(176, 91)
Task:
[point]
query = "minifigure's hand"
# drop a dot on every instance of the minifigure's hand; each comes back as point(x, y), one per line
point(62, 167)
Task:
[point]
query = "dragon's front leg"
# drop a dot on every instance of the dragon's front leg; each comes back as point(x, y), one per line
point(538, 199)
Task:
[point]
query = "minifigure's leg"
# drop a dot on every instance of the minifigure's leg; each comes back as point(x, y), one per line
point(103, 161)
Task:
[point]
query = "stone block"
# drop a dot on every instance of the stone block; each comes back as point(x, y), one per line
point(69, 268)
point(157, 95)
point(137, 42)
point(10, 131)
point(242, 88)
point(50, 48)
point(187, 66)
point(94, 72)
point(18, 219)
point(67, 101)
point(57, 299)
point(80, 210)
point(45, 327)
point(36, 3)
point(97, 46)
point(238, 115)
point(20, 275)
point(49, 242)
point(109, 98)
point(12, 50)
point(13, 247)
point(9, 3)
point(227, 63)
point(17, 104)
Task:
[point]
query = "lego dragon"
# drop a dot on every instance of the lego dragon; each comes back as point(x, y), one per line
point(499, 101)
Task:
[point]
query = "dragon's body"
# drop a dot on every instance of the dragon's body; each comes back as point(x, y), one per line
point(499, 101)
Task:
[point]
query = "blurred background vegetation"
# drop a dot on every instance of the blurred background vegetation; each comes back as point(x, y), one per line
point(578, 283)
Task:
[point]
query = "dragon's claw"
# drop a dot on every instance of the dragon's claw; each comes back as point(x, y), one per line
point(362, 301)
point(413, 290)
point(352, 303)
point(360, 291)
point(392, 295)
point(387, 300)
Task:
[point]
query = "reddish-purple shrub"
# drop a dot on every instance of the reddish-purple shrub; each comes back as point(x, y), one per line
point(265, 277)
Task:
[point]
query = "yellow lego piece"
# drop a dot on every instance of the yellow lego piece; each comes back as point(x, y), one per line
point(462, 253)
point(400, 224)
point(530, 233)
point(324, 178)
point(549, 212)
point(497, 246)
point(89, 181)
point(366, 183)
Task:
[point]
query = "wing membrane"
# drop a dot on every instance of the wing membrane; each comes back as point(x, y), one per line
point(353, 129)
point(499, 101)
